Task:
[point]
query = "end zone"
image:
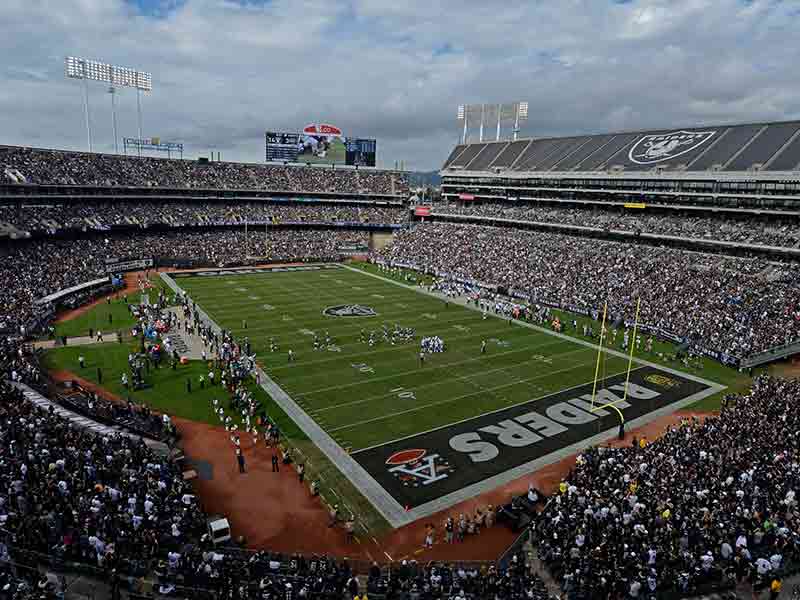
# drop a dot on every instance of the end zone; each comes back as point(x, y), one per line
point(459, 461)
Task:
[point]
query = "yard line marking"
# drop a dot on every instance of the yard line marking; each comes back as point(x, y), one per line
point(448, 400)
point(491, 412)
point(434, 383)
point(427, 370)
point(296, 306)
point(372, 352)
point(532, 326)
point(350, 329)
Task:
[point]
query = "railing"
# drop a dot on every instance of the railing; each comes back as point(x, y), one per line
point(771, 354)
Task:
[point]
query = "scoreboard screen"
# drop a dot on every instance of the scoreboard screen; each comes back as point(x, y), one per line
point(283, 146)
point(360, 152)
point(303, 148)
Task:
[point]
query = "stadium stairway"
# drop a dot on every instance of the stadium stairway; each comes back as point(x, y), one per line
point(538, 569)
point(84, 422)
point(8, 230)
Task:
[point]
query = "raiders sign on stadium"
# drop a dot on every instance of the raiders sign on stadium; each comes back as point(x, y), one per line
point(652, 149)
point(349, 310)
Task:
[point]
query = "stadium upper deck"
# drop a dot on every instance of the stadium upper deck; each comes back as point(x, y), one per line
point(28, 171)
point(753, 147)
point(755, 165)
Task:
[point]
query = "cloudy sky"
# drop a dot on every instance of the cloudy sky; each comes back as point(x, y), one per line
point(224, 71)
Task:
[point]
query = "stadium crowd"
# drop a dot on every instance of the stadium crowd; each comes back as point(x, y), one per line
point(733, 306)
point(105, 501)
point(784, 232)
point(694, 508)
point(71, 497)
point(102, 216)
point(711, 503)
point(54, 167)
point(33, 269)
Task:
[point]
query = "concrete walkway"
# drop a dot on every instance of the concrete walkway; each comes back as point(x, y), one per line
point(83, 340)
point(188, 345)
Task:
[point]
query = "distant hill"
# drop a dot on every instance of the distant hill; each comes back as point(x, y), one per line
point(423, 178)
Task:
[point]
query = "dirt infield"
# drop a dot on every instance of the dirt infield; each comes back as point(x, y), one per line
point(130, 288)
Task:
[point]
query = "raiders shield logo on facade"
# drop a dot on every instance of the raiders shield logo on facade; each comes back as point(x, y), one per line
point(657, 148)
point(349, 310)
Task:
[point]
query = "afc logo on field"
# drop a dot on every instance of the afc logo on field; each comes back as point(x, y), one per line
point(651, 149)
point(416, 467)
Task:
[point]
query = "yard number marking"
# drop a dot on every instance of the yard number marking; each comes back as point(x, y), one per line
point(404, 394)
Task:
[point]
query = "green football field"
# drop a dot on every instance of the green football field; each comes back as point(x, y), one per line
point(364, 396)
point(375, 401)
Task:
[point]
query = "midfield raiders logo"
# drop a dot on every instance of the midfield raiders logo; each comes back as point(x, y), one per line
point(653, 149)
point(416, 467)
point(349, 310)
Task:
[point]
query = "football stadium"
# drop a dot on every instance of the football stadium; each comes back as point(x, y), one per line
point(565, 366)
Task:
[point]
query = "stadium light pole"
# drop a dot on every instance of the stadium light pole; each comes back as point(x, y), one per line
point(113, 92)
point(522, 115)
point(114, 75)
point(86, 112)
point(139, 118)
point(462, 116)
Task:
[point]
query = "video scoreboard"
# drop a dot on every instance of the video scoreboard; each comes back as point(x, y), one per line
point(319, 148)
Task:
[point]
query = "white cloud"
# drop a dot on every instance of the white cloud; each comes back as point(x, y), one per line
point(225, 70)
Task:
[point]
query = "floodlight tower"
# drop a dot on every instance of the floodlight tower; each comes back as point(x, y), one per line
point(115, 76)
point(521, 115)
point(462, 116)
point(514, 111)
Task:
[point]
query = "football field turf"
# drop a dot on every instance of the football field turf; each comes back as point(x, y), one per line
point(365, 395)
point(421, 436)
